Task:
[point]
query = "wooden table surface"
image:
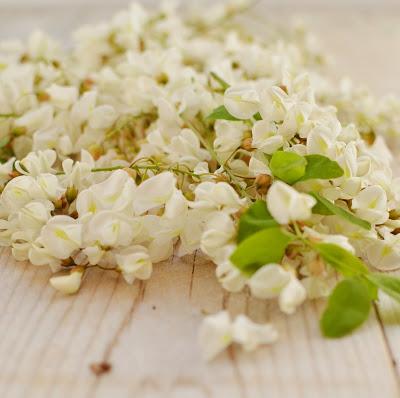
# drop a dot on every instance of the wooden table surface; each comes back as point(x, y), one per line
point(148, 331)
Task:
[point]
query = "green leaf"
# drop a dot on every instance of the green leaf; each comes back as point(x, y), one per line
point(288, 166)
point(372, 288)
point(325, 207)
point(256, 218)
point(348, 307)
point(340, 259)
point(264, 247)
point(257, 116)
point(221, 113)
point(389, 284)
point(221, 81)
point(321, 167)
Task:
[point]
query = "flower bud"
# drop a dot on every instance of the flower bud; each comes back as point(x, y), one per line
point(263, 182)
point(71, 194)
point(247, 144)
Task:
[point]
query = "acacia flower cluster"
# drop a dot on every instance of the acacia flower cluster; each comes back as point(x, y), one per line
point(159, 133)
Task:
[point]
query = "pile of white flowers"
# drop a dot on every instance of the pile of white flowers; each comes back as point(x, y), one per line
point(158, 133)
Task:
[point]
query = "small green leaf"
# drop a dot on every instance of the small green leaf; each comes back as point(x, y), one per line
point(256, 218)
point(264, 247)
point(389, 284)
point(325, 207)
point(257, 116)
point(221, 113)
point(321, 167)
point(221, 81)
point(288, 166)
point(319, 208)
point(348, 307)
point(340, 259)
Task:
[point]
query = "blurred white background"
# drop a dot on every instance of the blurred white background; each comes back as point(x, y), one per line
point(318, 3)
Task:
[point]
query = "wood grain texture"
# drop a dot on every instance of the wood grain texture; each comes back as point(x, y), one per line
point(148, 331)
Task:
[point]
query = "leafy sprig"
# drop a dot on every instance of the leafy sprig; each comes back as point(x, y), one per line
point(261, 241)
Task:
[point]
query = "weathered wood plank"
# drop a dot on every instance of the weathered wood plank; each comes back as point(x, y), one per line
point(148, 333)
point(389, 318)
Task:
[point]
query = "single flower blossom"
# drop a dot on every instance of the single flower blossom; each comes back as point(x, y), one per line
point(286, 204)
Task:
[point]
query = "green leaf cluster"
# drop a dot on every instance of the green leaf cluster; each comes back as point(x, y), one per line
point(291, 167)
point(261, 241)
point(350, 302)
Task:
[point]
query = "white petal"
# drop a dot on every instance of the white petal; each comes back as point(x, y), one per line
point(215, 334)
point(293, 295)
point(154, 192)
point(242, 101)
point(268, 281)
point(68, 284)
point(251, 335)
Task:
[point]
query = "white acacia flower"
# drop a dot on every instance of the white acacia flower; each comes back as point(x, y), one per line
point(268, 281)
point(296, 115)
point(230, 277)
point(371, 204)
point(68, 283)
point(215, 334)
point(218, 331)
point(286, 204)
point(348, 160)
point(82, 109)
point(111, 229)
point(19, 191)
point(219, 231)
point(228, 135)
point(292, 295)
point(384, 254)
point(115, 193)
point(62, 97)
point(320, 141)
point(339, 240)
point(78, 174)
point(266, 137)
point(217, 196)
point(185, 149)
point(273, 104)
point(154, 192)
point(50, 186)
point(258, 166)
point(251, 335)
point(134, 263)
point(61, 236)
point(102, 117)
point(40, 118)
point(190, 235)
point(34, 215)
point(42, 46)
point(242, 101)
point(36, 163)
point(94, 254)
